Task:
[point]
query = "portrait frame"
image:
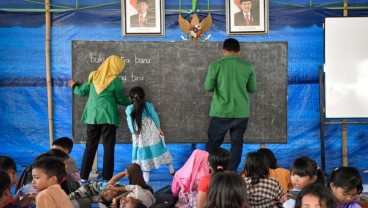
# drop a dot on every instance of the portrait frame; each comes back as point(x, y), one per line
point(154, 23)
point(257, 24)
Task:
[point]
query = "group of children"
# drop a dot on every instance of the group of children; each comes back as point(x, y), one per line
point(204, 181)
point(263, 183)
point(53, 181)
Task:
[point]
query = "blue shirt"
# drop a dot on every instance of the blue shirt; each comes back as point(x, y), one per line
point(149, 111)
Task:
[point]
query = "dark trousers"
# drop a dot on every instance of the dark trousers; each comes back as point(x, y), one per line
point(216, 135)
point(94, 133)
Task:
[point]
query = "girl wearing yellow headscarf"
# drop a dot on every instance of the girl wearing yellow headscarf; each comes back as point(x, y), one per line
point(105, 92)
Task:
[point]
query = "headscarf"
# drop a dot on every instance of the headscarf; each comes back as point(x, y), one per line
point(106, 73)
point(195, 168)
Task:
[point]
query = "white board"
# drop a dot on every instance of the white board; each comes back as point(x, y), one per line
point(346, 67)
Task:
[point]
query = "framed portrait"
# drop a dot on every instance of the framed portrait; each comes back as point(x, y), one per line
point(143, 18)
point(246, 17)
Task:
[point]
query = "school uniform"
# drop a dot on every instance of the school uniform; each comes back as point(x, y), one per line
point(230, 79)
point(105, 92)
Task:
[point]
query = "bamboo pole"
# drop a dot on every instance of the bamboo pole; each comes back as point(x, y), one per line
point(345, 11)
point(344, 144)
point(48, 70)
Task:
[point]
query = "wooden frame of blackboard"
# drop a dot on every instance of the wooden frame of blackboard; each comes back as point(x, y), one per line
point(154, 23)
point(258, 20)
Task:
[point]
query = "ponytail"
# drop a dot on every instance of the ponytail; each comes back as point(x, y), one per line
point(137, 96)
point(320, 177)
point(219, 159)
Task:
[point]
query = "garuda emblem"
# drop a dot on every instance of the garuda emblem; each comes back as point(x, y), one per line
point(195, 29)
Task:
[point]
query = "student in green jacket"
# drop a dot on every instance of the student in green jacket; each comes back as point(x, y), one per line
point(230, 79)
point(105, 91)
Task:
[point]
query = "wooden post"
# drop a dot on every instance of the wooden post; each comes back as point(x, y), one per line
point(48, 70)
point(345, 12)
point(344, 144)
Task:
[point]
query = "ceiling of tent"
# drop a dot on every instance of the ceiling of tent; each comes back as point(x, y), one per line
point(171, 5)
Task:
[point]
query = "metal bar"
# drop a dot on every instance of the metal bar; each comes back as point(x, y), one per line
point(346, 122)
point(321, 119)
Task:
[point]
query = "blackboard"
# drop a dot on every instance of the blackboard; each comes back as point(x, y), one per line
point(173, 73)
point(346, 67)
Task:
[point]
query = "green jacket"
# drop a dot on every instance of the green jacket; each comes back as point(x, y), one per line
point(102, 108)
point(230, 79)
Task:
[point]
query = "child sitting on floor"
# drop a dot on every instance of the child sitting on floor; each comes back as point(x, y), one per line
point(280, 174)
point(68, 183)
point(47, 174)
point(219, 161)
point(66, 145)
point(304, 171)
point(186, 179)
point(315, 195)
point(262, 189)
point(8, 165)
point(4, 187)
point(346, 185)
point(227, 189)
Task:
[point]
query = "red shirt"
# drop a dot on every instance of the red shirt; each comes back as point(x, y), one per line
point(204, 183)
point(8, 203)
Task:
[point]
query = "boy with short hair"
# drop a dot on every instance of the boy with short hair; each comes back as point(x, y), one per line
point(47, 174)
point(66, 145)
